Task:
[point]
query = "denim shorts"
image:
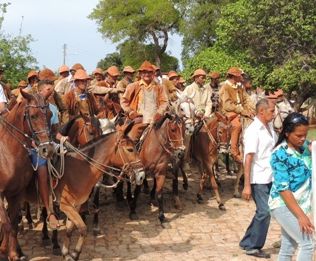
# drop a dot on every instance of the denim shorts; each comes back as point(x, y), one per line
point(36, 159)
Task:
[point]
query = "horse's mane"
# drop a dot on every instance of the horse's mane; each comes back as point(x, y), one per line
point(95, 141)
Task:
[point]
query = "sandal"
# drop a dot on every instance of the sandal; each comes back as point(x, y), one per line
point(52, 225)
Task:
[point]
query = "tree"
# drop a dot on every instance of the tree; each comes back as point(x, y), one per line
point(111, 59)
point(142, 21)
point(15, 53)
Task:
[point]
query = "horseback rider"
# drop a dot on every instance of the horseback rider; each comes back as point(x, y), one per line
point(128, 72)
point(200, 94)
point(214, 84)
point(144, 101)
point(234, 103)
point(98, 76)
point(170, 85)
point(62, 84)
point(45, 89)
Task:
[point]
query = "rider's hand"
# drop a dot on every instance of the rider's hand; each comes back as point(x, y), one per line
point(60, 137)
point(133, 114)
point(246, 193)
point(305, 224)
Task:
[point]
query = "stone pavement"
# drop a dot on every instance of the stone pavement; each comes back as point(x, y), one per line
point(198, 232)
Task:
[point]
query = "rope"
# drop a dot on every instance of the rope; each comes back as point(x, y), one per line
point(209, 133)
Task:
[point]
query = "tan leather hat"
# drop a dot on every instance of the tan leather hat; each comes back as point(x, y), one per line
point(81, 75)
point(146, 66)
point(32, 74)
point(235, 71)
point(113, 71)
point(172, 74)
point(63, 68)
point(128, 69)
point(76, 67)
point(46, 74)
point(98, 71)
point(199, 72)
point(214, 75)
point(22, 84)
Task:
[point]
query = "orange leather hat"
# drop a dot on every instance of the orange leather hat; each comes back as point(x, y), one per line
point(113, 71)
point(214, 75)
point(146, 66)
point(98, 71)
point(172, 74)
point(63, 68)
point(235, 71)
point(22, 84)
point(81, 75)
point(199, 72)
point(76, 67)
point(32, 74)
point(46, 74)
point(128, 69)
point(156, 68)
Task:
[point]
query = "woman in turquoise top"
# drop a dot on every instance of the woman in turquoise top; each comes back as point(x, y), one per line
point(290, 196)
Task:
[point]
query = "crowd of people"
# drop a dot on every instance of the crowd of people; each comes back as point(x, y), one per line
point(277, 166)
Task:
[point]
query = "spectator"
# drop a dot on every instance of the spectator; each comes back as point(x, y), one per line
point(259, 139)
point(290, 197)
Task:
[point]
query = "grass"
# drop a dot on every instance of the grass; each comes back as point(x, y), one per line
point(311, 134)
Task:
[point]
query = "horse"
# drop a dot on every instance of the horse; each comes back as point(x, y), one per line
point(211, 137)
point(27, 123)
point(282, 109)
point(82, 170)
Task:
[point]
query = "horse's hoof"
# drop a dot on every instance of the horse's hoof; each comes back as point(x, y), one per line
point(221, 207)
point(46, 242)
point(199, 199)
point(133, 216)
point(31, 226)
point(75, 255)
point(185, 186)
point(237, 195)
point(57, 251)
point(162, 218)
point(177, 203)
point(69, 258)
point(96, 231)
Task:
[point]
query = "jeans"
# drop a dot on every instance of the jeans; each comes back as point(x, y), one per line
point(256, 233)
point(292, 236)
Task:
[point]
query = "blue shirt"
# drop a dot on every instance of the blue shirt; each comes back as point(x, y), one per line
point(54, 119)
point(292, 171)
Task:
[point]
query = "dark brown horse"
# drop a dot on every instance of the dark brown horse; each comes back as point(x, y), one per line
point(162, 147)
point(212, 138)
point(83, 169)
point(26, 123)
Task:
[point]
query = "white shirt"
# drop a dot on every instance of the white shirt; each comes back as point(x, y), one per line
point(259, 141)
point(2, 96)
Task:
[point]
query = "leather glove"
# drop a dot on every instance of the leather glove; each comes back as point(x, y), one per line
point(157, 117)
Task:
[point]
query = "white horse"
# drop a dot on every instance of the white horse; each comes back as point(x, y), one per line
point(282, 109)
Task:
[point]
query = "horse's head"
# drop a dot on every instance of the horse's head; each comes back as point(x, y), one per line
point(186, 110)
point(223, 132)
point(170, 135)
point(127, 157)
point(37, 123)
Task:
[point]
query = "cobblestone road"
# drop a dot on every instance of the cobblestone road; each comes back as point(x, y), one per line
point(198, 232)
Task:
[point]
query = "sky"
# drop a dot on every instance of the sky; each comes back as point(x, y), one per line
point(53, 23)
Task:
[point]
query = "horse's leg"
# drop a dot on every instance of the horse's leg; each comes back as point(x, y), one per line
point(96, 205)
point(175, 189)
point(119, 194)
point(132, 200)
point(67, 239)
point(153, 192)
point(236, 187)
point(160, 179)
point(28, 215)
point(215, 188)
point(185, 178)
point(201, 184)
point(145, 186)
point(73, 215)
point(45, 237)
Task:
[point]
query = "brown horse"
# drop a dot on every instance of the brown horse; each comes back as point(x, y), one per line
point(162, 147)
point(212, 137)
point(26, 123)
point(83, 169)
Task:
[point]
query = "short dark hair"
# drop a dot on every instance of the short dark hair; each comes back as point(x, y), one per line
point(291, 121)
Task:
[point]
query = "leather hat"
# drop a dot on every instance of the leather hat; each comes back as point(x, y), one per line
point(146, 66)
point(113, 71)
point(172, 74)
point(76, 67)
point(214, 75)
point(235, 71)
point(31, 74)
point(46, 74)
point(81, 75)
point(128, 69)
point(98, 71)
point(22, 84)
point(199, 72)
point(63, 68)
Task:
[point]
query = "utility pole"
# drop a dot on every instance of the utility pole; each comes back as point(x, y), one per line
point(21, 26)
point(64, 53)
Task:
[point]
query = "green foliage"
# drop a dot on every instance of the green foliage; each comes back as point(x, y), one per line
point(15, 53)
point(111, 59)
point(138, 20)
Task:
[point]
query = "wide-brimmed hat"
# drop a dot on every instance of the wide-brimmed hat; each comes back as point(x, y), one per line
point(22, 84)
point(172, 74)
point(146, 66)
point(81, 75)
point(46, 74)
point(128, 69)
point(214, 75)
point(97, 71)
point(76, 67)
point(199, 72)
point(113, 71)
point(32, 73)
point(235, 71)
point(63, 68)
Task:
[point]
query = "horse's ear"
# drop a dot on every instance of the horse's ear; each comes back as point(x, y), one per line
point(128, 128)
point(26, 95)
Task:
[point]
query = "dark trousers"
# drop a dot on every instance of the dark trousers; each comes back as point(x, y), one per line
point(256, 233)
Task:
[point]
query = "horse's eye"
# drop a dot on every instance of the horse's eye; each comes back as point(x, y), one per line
point(130, 149)
point(181, 109)
point(34, 117)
